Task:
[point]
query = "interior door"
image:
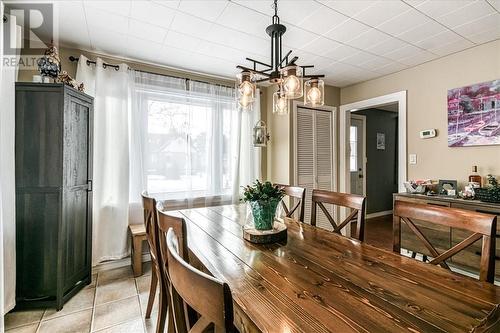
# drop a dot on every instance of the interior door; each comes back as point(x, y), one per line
point(77, 195)
point(314, 156)
point(357, 158)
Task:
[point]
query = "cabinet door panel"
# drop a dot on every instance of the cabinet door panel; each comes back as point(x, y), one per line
point(305, 156)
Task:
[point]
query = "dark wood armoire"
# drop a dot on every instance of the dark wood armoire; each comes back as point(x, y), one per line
point(54, 124)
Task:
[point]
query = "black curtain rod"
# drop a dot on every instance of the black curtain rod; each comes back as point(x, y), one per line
point(117, 67)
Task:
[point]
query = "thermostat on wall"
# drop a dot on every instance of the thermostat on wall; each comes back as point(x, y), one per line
point(427, 134)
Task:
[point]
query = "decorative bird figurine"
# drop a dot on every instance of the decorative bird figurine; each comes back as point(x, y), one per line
point(50, 64)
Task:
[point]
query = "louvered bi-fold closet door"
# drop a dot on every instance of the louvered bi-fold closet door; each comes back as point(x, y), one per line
point(314, 156)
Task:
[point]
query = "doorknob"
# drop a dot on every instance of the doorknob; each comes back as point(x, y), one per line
point(360, 175)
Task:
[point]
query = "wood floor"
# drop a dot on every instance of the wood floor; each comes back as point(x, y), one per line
point(378, 232)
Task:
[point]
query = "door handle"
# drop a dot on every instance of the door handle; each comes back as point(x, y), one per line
point(89, 185)
point(360, 176)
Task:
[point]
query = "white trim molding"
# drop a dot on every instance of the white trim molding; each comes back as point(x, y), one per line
point(379, 214)
point(397, 97)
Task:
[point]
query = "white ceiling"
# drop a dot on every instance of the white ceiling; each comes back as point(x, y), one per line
point(348, 41)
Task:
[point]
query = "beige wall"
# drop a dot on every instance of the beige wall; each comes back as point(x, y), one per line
point(280, 148)
point(427, 87)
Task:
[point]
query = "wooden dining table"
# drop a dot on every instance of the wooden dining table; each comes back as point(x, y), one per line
point(319, 281)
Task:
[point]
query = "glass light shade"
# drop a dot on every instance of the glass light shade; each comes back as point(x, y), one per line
point(281, 103)
point(246, 89)
point(314, 92)
point(292, 82)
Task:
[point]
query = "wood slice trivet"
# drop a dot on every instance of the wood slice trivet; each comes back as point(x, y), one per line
point(275, 235)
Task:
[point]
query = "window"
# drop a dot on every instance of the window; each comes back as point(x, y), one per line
point(353, 141)
point(188, 140)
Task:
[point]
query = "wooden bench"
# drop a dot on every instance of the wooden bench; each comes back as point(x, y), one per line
point(138, 233)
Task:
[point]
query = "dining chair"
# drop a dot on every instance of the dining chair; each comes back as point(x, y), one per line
point(211, 298)
point(357, 204)
point(481, 225)
point(297, 193)
point(150, 221)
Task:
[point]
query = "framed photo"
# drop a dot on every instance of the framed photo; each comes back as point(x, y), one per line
point(448, 188)
point(474, 115)
point(380, 141)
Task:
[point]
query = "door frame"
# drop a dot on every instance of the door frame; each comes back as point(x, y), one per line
point(345, 121)
point(363, 150)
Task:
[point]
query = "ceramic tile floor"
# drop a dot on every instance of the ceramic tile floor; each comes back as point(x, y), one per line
point(115, 302)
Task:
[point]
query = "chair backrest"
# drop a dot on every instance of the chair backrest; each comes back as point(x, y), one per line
point(357, 204)
point(481, 225)
point(150, 222)
point(299, 194)
point(211, 298)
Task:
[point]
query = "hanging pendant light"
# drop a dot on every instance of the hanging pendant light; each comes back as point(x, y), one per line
point(281, 103)
point(314, 94)
point(292, 83)
point(246, 89)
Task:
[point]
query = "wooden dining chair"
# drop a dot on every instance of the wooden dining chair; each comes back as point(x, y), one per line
point(297, 193)
point(480, 224)
point(178, 224)
point(211, 298)
point(357, 204)
point(150, 221)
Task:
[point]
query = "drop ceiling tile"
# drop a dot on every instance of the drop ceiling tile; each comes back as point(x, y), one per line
point(152, 13)
point(147, 31)
point(422, 31)
point(341, 52)
point(375, 62)
point(321, 20)
point(108, 41)
point(403, 52)
point(239, 40)
point(347, 31)
point(438, 40)
point(495, 3)
point(348, 7)
point(418, 58)
point(321, 46)
point(245, 20)
point(403, 22)
point(181, 41)
point(220, 51)
point(294, 11)
point(115, 7)
point(174, 4)
point(391, 68)
point(369, 39)
point(387, 46)
point(439, 8)
point(483, 24)
point(191, 25)
point(296, 38)
point(452, 47)
point(142, 49)
point(485, 36)
point(106, 20)
point(357, 58)
point(208, 10)
point(381, 11)
point(71, 14)
point(471, 12)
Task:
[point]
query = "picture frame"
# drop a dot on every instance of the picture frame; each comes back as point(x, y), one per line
point(380, 141)
point(448, 188)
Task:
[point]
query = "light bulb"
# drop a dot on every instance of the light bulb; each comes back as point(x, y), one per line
point(246, 88)
point(281, 104)
point(291, 84)
point(314, 95)
point(245, 101)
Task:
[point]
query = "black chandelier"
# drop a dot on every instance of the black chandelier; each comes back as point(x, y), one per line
point(283, 72)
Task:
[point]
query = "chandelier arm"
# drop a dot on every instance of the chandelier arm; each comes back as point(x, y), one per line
point(258, 62)
point(253, 71)
point(291, 62)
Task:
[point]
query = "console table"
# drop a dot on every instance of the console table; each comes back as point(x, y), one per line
point(444, 237)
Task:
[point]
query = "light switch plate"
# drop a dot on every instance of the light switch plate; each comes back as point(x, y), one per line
point(413, 158)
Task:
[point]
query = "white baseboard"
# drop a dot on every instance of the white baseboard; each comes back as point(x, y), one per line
point(112, 264)
point(378, 214)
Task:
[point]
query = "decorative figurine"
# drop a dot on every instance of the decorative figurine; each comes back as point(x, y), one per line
point(50, 64)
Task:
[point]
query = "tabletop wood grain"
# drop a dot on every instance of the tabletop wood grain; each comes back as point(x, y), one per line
point(322, 282)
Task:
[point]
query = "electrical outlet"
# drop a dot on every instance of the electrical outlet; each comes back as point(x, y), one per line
point(413, 158)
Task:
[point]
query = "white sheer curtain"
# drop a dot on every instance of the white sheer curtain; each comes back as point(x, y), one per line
point(8, 75)
point(184, 142)
point(110, 89)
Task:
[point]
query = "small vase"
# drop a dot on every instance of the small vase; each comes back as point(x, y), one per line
point(263, 213)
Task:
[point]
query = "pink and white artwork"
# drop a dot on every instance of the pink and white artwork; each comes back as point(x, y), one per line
point(474, 115)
